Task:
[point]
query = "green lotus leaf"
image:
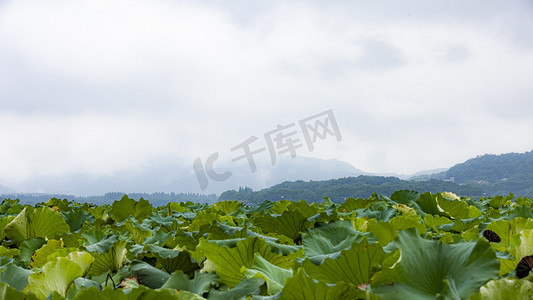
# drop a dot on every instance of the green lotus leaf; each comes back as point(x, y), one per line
point(8, 252)
point(356, 265)
point(248, 286)
point(40, 222)
point(8, 292)
point(505, 289)
point(227, 207)
point(200, 284)
point(289, 223)
point(77, 218)
point(301, 286)
point(40, 257)
point(351, 204)
point(3, 222)
point(435, 221)
point(15, 276)
point(307, 210)
point(28, 248)
point(457, 209)
point(428, 204)
point(273, 275)
point(108, 293)
point(56, 276)
point(158, 237)
point(150, 276)
point(173, 260)
point(386, 232)
point(111, 260)
point(331, 238)
point(406, 197)
point(138, 233)
point(229, 261)
point(98, 242)
point(18, 229)
point(126, 207)
point(429, 268)
point(83, 259)
point(522, 246)
point(80, 284)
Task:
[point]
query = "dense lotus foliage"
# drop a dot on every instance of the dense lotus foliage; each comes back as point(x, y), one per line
point(406, 246)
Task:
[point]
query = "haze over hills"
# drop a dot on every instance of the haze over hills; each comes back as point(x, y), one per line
point(484, 175)
point(174, 177)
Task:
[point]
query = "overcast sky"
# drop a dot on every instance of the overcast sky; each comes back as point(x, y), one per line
point(97, 87)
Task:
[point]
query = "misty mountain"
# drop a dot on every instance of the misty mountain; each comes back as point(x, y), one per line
point(5, 189)
point(169, 176)
point(285, 169)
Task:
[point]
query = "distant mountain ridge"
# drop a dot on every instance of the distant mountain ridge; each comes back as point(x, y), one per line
point(490, 174)
point(485, 175)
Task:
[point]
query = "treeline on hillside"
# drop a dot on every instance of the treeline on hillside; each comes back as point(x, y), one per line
point(339, 189)
point(495, 174)
point(492, 168)
point(157, 199)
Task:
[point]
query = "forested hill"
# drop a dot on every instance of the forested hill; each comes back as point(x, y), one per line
point(496, 174)
point(340, 189)
point(492, 168)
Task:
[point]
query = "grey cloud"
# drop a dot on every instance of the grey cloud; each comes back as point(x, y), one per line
point(379, 54)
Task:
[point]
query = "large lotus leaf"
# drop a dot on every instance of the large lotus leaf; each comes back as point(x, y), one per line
point(200, 284)
point(83, 259)
point(56, 276)
point(435, 221)
point(138, 233)
point(77, 218)
point(98, 242)
point(505, 289)
point(229, 261)
point(331, 238)
point(429, 268)
point(28, 248)
point(3, 222)
point(8, 292)
point(15, 276)
point(356, 265)
point(405, 196)
point(305, 208)
point(173, 260)
point(41, 222)
point(352, 204)
point(127, 207)
point(506, 229)
point(457, 209)
point(275, 247)
point(110, 260)
point(427, 203)
point(274, 276)
point(227, 207)
point(290, 224)
point(40, 257)
point(80, 284)
point(158, 237)
point(47, 223)
point(108, 293)
point(8, 252)
point(300, 286)
point(150, 276)
point(248, 286)
point(521, 245)
point(18, 230)
point(386, 232)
